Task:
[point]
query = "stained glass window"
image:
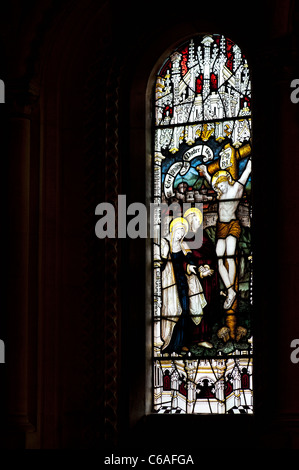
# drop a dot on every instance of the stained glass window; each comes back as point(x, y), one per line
point(202, 347)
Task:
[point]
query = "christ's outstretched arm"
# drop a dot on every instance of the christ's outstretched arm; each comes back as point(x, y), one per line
point(203, 169)
point(245, 175)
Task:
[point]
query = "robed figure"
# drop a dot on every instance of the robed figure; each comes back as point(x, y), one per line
point(205, 258)
point(183, 298)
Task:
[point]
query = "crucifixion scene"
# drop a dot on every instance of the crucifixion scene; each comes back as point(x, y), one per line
point(203, 164)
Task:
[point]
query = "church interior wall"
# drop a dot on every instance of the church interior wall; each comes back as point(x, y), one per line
point(77, 78)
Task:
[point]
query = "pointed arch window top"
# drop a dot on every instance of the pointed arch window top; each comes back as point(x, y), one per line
point(205, 80)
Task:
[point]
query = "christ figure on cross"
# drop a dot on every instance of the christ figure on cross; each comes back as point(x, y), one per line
point(228, 229)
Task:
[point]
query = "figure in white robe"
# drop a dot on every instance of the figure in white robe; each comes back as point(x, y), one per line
point(183, 299)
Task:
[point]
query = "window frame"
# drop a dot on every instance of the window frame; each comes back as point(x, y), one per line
point(149, 138)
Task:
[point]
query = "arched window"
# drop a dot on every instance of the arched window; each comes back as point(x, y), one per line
point(202, 255)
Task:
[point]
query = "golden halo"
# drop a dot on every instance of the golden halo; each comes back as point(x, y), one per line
point(179, 221)
point(219, 174)
point(194, 211)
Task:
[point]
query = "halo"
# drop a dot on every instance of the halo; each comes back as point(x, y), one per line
point(179, 221)
point(194, 211)
point(218, 175)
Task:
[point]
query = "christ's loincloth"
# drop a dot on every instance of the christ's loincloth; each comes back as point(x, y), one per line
point(224, 229)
